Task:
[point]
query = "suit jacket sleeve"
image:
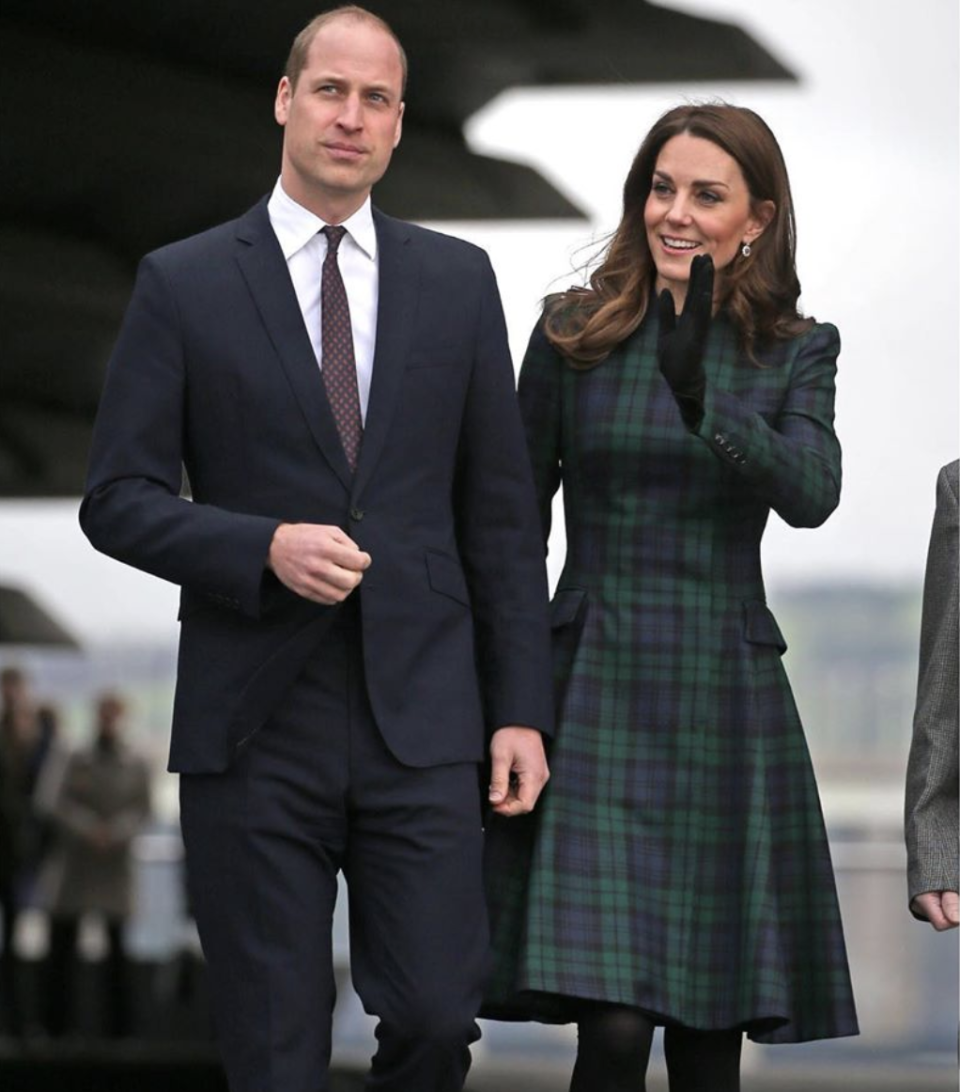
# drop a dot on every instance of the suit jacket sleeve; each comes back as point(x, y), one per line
point(931, 810)
point(133, 509)
point(499, 541)
point(792, 463)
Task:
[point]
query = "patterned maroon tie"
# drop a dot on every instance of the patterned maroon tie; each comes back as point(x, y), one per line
point(338, 364)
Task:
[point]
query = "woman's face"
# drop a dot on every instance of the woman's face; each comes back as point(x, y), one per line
point(698, 204)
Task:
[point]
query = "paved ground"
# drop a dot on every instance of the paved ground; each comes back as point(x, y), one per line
point(488, 1077)
point(138, 1067)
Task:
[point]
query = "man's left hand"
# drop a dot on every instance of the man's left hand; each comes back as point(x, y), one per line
point(519, 770)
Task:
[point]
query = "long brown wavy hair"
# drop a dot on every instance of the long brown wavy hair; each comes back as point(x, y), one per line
point(759, 292)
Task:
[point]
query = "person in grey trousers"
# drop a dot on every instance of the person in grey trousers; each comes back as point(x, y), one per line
point(931, 812)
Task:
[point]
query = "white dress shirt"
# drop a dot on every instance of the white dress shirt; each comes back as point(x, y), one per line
point(298, 232)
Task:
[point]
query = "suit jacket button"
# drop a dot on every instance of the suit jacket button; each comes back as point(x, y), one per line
point(356, 514)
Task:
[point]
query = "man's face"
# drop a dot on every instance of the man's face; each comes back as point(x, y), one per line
point(110, 712)
point(13, 689)
point(342, 120)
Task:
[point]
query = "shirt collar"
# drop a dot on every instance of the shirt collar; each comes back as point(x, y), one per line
point(295, 226)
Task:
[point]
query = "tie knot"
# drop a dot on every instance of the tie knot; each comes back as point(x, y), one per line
point(334, 235)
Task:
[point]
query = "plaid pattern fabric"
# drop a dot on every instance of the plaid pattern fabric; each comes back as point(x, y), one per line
point(678, 860)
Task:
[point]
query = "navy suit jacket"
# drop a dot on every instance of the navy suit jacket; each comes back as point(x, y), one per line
point(213, 373)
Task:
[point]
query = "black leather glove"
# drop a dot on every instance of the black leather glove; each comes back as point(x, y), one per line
point(680, 343)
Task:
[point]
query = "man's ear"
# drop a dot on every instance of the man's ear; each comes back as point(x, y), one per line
point(398, 132)
point(281, 106)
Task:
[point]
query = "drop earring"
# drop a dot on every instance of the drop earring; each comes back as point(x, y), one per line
point(745, 250)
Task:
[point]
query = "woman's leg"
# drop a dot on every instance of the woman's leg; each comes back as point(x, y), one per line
point(613, 1048)
point(702, 1061)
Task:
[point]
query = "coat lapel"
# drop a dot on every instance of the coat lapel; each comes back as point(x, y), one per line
point(399, 275)
point(265, 270)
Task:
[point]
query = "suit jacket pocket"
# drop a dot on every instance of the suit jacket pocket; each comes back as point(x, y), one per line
point(760, 627)
point(446, 577)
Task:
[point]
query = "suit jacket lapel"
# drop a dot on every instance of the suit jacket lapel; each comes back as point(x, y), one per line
point(399, 284)
point(265, 270)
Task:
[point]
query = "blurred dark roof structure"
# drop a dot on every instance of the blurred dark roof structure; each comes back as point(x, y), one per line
point(23, 621)
point(129, 123)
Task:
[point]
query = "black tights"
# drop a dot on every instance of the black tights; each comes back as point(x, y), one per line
point(613, 1049)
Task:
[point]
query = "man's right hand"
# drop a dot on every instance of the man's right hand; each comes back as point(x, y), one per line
point(317, 562)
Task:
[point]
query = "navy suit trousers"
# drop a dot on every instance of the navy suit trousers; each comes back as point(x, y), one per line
point(314, 792)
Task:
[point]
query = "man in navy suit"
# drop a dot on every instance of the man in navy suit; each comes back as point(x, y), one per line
point(363, 606)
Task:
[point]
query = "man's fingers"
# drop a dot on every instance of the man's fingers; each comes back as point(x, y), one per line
point(521, 799)
point(528, 792)
point(510, 807)
point(334, 579)
point(951, 907)
point(318, 562)
point(519, 770)
point(347, 557)
point(499, 778)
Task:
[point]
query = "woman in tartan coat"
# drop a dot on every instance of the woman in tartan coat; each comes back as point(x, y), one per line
point(676, 871)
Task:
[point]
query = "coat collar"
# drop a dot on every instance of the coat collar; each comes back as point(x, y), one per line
point(265, 270)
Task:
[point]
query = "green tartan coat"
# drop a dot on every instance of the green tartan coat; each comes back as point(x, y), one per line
point(677, 861)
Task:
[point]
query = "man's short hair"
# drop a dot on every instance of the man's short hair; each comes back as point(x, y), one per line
point(297, 59)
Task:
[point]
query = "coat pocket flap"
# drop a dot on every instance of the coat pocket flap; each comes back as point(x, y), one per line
point(446, 577)
point(760, 627)
point(565, 606)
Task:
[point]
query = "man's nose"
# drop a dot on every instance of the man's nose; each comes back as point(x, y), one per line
point(351, 115)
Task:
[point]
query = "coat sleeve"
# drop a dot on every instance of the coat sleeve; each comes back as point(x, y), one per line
point(133, 509)
point(499, 537)
point(931, 809)
point(793, 463)
point(540, 407)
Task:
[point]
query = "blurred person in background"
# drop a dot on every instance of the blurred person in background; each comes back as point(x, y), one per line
point(677, 872)
point(931, 806)
point(98, 799)
point(27, 735)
